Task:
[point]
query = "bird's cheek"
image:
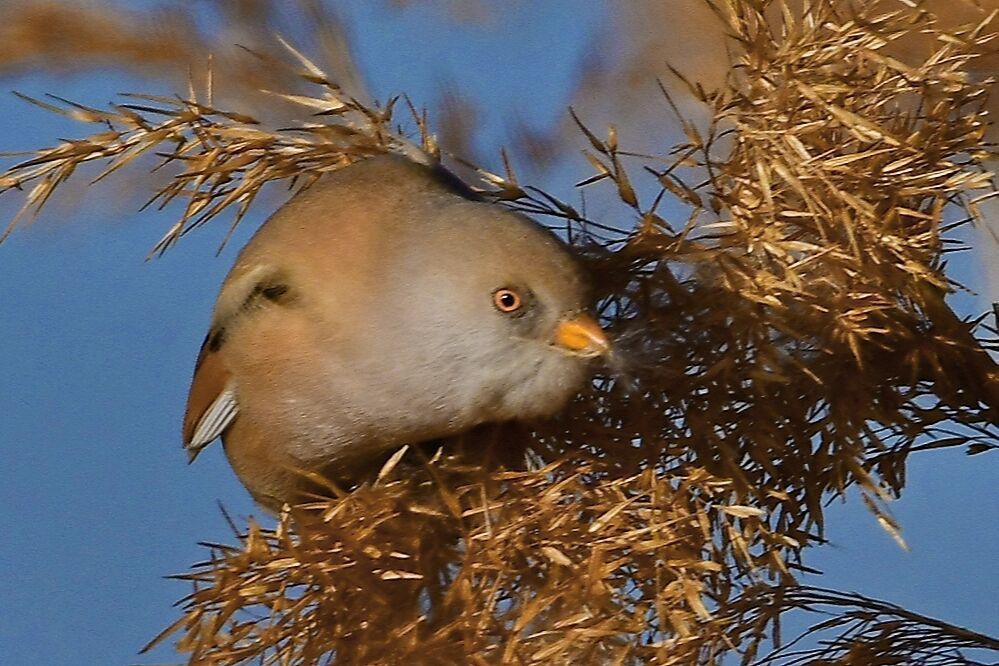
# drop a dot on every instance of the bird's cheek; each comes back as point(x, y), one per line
point(557, 379)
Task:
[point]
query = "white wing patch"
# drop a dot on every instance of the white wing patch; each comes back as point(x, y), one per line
point(214, 421)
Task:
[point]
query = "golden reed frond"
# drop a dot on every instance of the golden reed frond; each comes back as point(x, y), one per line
point(169, 44)
point(786, 339)
point(224, 157)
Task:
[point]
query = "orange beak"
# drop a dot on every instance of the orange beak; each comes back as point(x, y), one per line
point(582, 336)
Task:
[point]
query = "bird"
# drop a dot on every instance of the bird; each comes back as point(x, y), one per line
point(386, 304)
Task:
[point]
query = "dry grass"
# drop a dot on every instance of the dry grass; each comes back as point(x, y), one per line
point(225, 157)
point(788, 340)
point(169, 44)
point(857, 631)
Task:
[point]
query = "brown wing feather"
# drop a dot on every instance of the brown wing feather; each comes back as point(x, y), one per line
point(211, 378)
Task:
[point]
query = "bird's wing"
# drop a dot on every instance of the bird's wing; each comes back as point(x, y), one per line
point(211, 403)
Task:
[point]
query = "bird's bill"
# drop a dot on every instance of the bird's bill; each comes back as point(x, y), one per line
point(582, 336)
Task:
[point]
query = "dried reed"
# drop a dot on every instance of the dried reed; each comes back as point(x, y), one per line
point(788, 340)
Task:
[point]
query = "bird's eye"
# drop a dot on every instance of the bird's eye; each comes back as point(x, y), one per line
point(507, 300)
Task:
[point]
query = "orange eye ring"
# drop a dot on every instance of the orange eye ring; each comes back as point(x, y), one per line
point(507, 300)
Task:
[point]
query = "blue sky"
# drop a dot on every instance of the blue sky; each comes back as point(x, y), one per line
point(97, 503)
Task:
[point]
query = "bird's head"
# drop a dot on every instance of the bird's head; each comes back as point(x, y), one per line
point(499, 315)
